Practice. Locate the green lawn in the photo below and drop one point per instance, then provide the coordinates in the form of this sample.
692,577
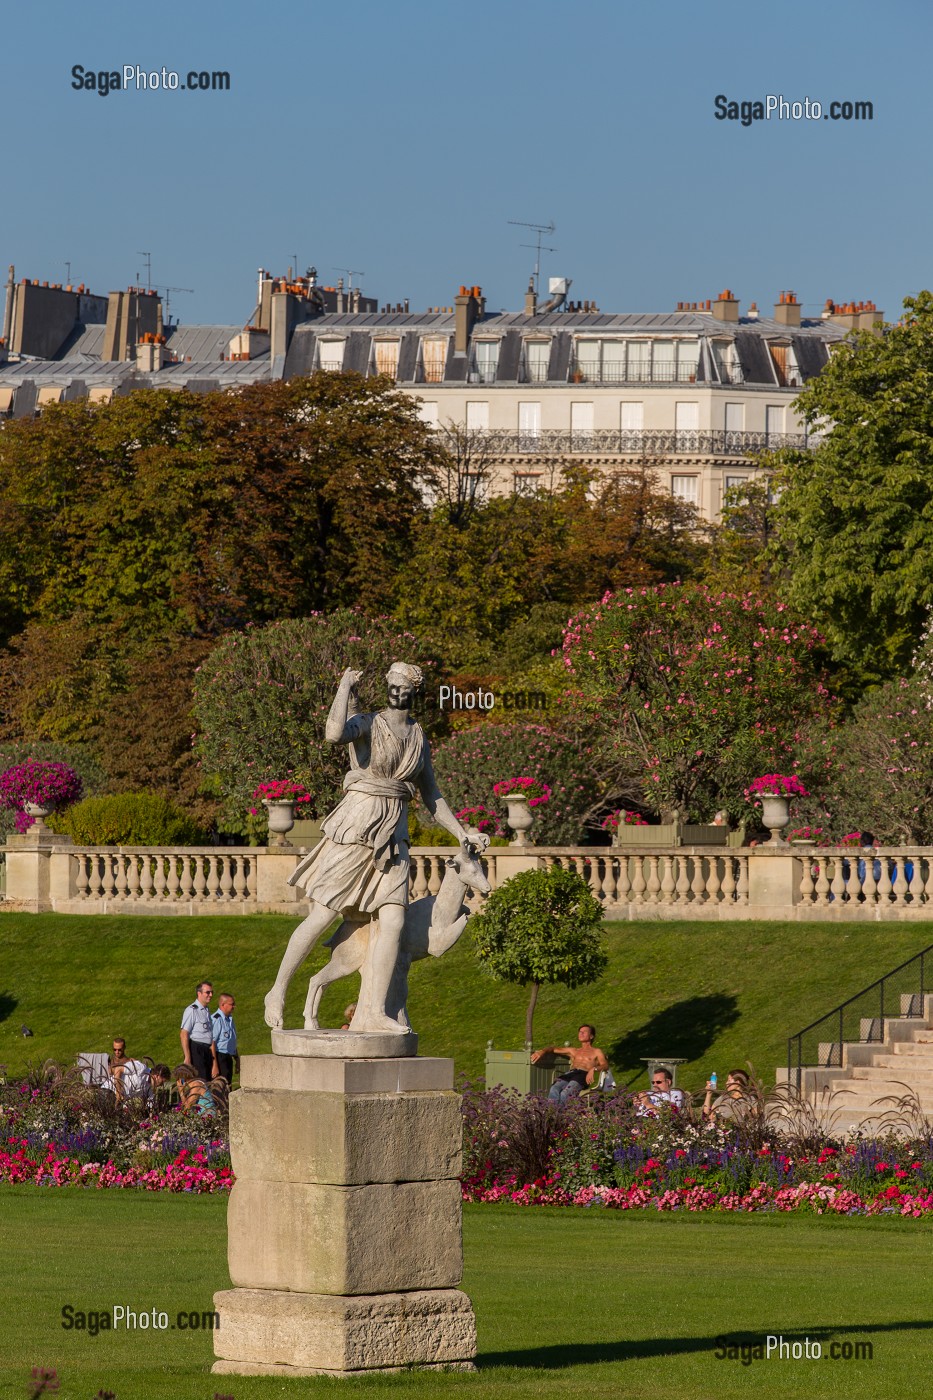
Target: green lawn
717,993
568,1303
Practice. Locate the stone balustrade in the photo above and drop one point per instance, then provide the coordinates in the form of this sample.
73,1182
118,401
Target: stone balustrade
46,873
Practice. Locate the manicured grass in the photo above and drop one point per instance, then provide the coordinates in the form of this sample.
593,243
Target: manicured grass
718,994
568,1303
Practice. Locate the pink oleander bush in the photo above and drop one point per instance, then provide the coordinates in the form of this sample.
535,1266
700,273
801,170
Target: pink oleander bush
469,766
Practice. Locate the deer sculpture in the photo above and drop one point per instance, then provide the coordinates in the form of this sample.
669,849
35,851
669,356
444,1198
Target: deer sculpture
432,925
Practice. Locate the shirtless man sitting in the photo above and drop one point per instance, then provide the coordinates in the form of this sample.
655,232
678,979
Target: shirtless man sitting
586,1064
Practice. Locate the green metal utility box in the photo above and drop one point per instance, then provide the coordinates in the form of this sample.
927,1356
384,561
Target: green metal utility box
512,1069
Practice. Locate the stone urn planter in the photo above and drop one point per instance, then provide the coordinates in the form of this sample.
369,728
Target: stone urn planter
775,814
519,817
38,811
281,821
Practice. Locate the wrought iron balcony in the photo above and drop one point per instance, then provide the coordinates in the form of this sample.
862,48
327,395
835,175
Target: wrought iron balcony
632,442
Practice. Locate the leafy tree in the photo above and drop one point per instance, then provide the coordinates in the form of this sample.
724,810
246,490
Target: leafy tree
694,693
474,574
79,757
179,512
471,761
540,927
262,695
874,772
855,516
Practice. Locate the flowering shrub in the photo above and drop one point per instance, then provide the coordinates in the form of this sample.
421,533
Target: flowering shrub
481,819
40,782
622,818
775,785
262,697
129,819
470,763
852,838
814,834
536,791
691,690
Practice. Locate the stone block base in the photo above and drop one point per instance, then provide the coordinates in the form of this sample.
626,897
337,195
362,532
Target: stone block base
270,1333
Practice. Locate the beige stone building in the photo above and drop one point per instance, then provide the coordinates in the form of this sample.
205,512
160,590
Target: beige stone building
696,394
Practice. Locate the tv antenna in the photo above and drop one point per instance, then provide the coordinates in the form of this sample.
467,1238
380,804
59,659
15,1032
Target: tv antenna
168,291
351,273
540,230
67,271
148,257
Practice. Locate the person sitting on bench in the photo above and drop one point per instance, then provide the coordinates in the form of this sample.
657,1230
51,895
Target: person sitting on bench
586,1064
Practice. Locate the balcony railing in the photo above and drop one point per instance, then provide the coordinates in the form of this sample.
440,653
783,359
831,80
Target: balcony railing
551,442
665,372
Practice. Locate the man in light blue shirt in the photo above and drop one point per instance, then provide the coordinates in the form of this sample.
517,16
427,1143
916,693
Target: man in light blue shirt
197,1034
224,1033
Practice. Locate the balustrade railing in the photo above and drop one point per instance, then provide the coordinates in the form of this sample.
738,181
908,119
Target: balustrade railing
155,876
659,877
883,877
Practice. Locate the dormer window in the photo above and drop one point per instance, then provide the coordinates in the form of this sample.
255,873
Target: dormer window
385,355
537,359
486,360
331,354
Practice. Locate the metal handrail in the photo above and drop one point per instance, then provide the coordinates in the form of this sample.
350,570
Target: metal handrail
916,998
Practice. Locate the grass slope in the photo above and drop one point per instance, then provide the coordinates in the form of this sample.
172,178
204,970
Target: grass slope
718,994
568,1303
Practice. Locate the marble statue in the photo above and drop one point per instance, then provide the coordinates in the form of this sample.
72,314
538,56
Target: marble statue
432,926
360,868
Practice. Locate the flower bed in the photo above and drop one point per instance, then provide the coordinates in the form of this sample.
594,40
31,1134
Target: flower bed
604,1152
22,1162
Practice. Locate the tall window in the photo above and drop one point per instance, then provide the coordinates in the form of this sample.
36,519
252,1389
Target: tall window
774,422
477,417
529,426
664,368
386,355
434,357
537,358
688,357
686,488
526,483
332,354
581,427
428,413
587,363
613,362
735,417
686,423
639,361
631,425
487,359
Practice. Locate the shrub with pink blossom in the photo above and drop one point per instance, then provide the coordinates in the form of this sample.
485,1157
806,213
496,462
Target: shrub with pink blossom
692,690
622,817
471,762
533,790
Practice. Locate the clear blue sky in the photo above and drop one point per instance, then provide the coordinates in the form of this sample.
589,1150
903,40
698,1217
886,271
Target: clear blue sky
399,138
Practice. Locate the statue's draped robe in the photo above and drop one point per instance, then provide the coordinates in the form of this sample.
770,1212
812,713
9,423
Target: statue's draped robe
362,861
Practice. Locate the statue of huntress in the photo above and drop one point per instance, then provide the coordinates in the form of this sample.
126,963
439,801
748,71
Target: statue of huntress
360,869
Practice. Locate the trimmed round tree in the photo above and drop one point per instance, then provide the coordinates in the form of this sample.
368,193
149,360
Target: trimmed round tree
540,927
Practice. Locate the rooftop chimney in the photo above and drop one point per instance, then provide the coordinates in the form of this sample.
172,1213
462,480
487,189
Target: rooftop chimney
466,311
726,307
787,310
531,299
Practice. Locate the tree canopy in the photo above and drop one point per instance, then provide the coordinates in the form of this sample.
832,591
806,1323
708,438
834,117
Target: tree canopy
854,517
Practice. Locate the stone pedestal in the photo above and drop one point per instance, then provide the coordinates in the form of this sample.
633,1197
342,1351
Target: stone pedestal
344,1237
